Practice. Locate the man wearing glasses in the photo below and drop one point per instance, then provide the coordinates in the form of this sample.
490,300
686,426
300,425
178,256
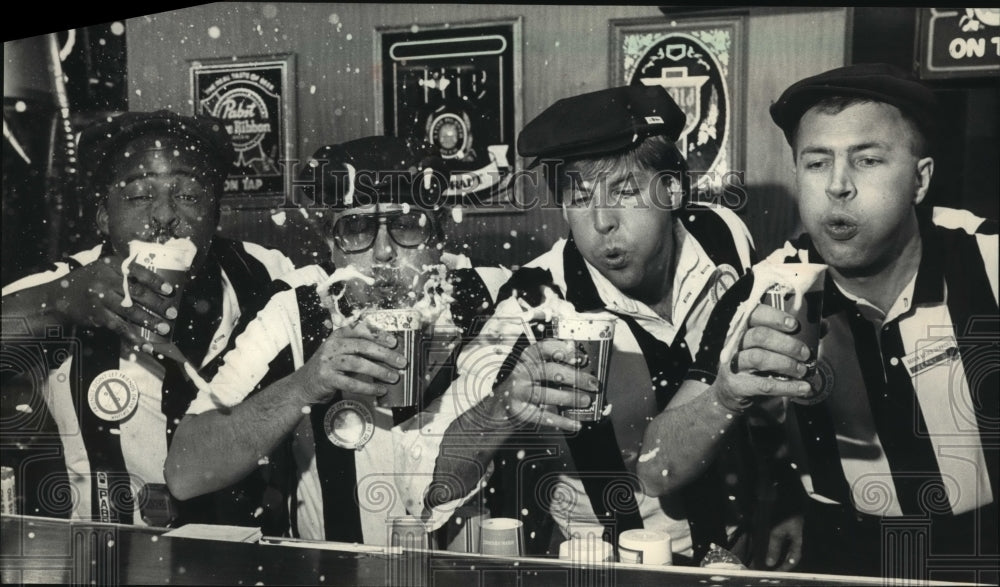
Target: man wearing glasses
306,373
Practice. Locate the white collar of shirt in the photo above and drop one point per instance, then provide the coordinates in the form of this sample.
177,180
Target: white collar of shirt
692,273
873,313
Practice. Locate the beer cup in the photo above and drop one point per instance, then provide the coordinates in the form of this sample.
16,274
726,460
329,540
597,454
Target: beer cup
406,326
593,334
171,261
797,288
408,533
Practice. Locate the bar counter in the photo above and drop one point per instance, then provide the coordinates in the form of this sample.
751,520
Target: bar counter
44,550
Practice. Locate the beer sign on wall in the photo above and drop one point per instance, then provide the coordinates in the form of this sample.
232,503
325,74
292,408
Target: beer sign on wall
700,64
251,97
457,88
959,42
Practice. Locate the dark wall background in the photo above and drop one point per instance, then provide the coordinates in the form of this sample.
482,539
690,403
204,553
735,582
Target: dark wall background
564,52
967,174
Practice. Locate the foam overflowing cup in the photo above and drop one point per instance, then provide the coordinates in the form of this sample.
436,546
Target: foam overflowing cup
796,288
171,260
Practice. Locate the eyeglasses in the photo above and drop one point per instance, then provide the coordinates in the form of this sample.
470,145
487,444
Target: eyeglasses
356,233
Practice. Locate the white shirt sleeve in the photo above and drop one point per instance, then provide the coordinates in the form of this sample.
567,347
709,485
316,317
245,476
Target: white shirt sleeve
83,258
275,261
245,365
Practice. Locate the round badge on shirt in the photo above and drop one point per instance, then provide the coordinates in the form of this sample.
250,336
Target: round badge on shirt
113,396
724,278
349,424
822,382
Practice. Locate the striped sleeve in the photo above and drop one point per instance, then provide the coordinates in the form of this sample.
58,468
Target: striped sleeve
274,329
58,270
715,337
742,238
956,218
275,261
988,247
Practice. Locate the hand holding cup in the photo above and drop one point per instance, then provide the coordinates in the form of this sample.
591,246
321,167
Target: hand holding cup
357,358
93,294
767,348
546,378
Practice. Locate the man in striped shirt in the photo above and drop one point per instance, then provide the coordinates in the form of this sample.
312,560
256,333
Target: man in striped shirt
893,433
636,249
307,373
115,399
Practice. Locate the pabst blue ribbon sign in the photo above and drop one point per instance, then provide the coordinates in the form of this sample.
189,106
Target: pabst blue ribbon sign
250,100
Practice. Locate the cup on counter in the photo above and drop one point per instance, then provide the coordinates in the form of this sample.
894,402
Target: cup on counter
406,326
171,261
797,288
8,491
463,529
587,550
408,533
593,334
501,537
645,547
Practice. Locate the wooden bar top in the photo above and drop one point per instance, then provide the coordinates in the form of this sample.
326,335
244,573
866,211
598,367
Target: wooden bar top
44,550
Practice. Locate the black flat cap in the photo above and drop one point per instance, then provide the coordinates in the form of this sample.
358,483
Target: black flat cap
100,141
600,123
395,170
876,81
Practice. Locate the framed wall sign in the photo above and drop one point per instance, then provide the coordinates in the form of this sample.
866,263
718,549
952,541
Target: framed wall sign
457,87
255,98
959,42
699,60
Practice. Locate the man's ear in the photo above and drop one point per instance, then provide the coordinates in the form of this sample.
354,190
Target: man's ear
925,170
102,219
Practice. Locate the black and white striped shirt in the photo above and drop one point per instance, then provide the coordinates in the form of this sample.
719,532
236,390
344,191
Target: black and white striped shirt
910,426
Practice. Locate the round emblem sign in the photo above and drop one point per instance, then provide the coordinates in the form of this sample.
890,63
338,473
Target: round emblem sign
349,424
690,72
450,133
113,396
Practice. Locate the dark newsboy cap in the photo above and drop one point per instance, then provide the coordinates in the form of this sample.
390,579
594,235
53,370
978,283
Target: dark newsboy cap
876,81
600,123
395,170
100,141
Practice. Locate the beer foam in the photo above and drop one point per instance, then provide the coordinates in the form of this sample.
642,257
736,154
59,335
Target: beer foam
394,319
329,300
175,254
599,326
437,296
552,306
429,303
796,278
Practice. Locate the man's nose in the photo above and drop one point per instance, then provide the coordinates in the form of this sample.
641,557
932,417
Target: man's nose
164,212
840,183
385,248
605,216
